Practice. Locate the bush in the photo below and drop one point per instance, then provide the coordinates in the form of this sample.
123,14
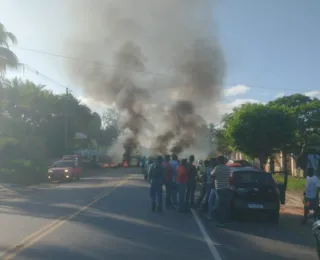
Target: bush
22,161
25,172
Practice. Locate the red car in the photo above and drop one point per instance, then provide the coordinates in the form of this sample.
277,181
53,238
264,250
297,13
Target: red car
64,170
74,157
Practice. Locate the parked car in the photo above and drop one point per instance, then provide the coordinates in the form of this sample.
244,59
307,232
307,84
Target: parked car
243,163
64,170
253,191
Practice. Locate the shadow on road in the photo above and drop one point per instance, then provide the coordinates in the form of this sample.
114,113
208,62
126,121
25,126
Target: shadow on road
254,237
124,220
122,226
62,199
52,252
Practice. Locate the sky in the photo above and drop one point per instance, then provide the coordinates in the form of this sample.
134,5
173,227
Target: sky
272,48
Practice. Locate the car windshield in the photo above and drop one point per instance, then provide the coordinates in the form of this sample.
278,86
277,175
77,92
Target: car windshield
63,164
68,157
252,176
242,162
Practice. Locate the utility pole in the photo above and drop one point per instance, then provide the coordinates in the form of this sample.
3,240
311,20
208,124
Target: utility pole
66,120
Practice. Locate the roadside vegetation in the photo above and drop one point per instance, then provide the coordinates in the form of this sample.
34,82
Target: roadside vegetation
296,184
33,125
32,129
290,124
33,120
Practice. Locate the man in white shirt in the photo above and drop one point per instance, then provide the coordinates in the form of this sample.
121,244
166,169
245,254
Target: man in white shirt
311,193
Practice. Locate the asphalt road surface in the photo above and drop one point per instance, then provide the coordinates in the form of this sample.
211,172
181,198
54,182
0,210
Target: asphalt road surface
108,217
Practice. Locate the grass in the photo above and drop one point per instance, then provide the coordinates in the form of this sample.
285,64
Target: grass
294,183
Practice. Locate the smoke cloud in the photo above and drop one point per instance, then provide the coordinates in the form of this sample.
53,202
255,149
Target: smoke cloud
158,62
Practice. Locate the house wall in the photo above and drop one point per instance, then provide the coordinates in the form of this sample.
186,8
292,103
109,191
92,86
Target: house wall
278,163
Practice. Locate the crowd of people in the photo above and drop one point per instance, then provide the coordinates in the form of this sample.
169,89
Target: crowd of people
180,177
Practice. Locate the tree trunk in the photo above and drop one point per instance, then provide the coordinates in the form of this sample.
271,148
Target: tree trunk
262,162
285,168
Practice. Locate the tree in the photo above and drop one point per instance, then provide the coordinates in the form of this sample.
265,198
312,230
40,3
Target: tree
94,126
110,118
32,128
222,142
110,127
306,112
224,146
37,111
256,129
7,57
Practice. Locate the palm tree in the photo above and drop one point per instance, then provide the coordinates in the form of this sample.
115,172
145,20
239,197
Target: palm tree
7,57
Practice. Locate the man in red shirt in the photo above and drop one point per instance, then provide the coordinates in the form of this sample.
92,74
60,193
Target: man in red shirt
182,181
168,180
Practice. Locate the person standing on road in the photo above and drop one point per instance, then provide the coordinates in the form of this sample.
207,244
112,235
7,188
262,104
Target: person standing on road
182,181
202,173
192,181
311,194
147,167
221,177
168,181
156,176
174,192
143,162
212,200
211,165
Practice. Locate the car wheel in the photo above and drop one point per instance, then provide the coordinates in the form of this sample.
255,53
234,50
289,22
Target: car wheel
274,216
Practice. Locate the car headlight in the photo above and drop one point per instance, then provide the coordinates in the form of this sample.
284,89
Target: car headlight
50,171
66,170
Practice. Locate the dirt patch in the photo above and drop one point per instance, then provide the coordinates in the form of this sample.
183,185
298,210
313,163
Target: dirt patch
296,211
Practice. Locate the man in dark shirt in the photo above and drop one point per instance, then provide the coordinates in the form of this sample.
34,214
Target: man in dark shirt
168,180
202,177
192,181
156,176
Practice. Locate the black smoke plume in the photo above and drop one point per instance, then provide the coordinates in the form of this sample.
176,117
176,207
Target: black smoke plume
158,62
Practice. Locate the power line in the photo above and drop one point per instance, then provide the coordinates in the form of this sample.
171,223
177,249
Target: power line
43,75
67,92
83,60
145,72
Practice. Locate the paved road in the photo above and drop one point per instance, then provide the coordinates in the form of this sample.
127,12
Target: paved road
109,217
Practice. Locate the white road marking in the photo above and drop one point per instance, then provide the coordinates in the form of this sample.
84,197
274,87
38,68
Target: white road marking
212,248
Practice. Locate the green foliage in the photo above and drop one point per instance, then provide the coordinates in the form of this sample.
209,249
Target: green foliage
306,113
294,183
32,128
256,129
224,145
7,57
